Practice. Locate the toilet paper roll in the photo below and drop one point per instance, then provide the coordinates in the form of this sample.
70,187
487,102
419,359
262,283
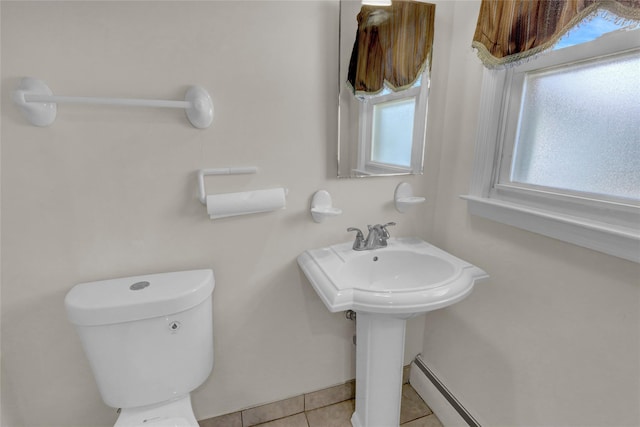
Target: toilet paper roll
248,202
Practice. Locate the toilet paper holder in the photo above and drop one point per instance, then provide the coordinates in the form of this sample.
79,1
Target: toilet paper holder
220,171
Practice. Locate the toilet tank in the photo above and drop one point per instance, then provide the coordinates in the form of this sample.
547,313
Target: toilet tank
148,338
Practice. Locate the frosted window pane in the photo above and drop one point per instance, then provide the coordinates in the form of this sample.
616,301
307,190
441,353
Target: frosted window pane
579,128
393,132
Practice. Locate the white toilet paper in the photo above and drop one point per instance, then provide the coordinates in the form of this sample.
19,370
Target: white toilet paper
248,202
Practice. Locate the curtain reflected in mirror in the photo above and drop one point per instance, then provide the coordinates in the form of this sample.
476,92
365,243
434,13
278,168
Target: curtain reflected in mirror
385,63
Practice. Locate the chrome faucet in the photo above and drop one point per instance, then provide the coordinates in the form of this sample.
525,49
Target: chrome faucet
377,237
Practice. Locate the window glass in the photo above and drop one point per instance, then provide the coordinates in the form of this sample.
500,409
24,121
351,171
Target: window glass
579,128
393,132
592,28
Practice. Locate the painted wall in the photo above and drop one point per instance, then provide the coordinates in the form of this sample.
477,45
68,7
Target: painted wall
110,192
554,337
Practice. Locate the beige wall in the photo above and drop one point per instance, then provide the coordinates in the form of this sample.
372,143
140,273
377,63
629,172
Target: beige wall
107,192
554,337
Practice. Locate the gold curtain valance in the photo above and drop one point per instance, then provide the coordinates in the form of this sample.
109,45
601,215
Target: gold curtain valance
509,31
393,44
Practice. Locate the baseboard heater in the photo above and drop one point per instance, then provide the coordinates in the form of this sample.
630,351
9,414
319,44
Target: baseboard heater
442,389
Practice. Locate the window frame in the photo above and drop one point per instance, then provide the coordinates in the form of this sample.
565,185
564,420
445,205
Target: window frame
588,220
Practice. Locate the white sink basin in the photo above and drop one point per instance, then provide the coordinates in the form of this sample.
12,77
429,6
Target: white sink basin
407,277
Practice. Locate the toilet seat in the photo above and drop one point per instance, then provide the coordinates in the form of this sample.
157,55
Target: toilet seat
175,413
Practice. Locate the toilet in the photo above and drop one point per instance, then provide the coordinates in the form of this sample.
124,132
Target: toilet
149,341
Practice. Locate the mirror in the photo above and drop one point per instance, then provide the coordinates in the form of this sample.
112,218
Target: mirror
385,64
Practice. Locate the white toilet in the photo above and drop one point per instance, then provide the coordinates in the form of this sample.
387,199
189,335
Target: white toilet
149,340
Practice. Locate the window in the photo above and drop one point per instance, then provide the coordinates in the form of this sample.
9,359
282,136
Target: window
577,136
392,133
390,123
558,148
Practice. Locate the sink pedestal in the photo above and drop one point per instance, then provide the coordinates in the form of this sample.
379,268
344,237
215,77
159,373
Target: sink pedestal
379,363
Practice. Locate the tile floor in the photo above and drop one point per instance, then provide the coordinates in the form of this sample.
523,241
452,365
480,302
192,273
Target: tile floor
326,408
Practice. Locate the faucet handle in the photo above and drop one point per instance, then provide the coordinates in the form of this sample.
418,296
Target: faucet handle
380,226
385,232
359,244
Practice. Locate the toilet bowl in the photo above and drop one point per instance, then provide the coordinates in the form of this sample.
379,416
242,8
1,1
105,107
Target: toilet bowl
149,341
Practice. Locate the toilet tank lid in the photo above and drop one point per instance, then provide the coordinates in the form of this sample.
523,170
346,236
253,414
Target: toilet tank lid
135,298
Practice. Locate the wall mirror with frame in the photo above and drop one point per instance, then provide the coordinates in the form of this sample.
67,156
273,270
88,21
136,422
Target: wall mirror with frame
385,63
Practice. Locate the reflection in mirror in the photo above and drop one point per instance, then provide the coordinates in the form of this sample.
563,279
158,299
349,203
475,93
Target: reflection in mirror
385,61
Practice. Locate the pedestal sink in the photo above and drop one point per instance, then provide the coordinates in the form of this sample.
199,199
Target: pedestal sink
385,287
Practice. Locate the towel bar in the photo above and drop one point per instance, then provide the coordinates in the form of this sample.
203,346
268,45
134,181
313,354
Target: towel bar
39,105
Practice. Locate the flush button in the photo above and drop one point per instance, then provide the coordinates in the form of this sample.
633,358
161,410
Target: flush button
139,285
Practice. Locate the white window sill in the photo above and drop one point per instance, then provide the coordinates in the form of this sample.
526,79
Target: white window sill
617,241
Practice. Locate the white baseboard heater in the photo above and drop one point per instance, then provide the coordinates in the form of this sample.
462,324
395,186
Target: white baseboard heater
444,404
